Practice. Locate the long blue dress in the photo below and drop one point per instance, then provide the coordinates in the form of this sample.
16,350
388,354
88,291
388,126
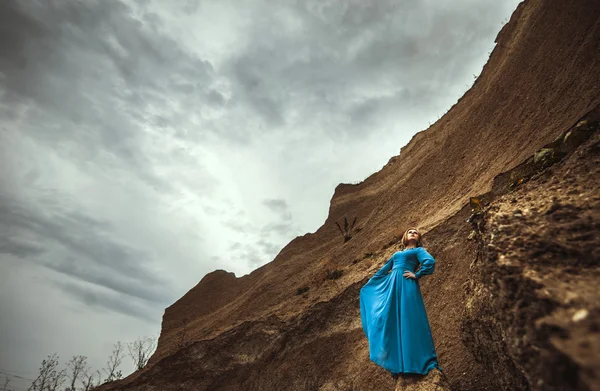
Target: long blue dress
394,317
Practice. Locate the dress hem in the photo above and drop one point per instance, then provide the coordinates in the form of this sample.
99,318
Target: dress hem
416,372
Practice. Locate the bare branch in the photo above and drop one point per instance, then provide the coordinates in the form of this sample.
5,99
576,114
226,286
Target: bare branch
77,368
49,378
88,380
353,222
113,363
140,351
57,379
340,228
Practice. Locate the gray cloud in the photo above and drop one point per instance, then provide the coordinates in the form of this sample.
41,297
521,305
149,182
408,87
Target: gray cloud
255,253
353,62
279,207
338,68
235,246
262,242
240,226
78,246
341,68
94,41
250,254
268,248
283,228
276,205
92,74
91,297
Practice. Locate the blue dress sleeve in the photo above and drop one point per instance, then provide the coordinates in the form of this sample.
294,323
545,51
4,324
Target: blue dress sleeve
386,268
427,263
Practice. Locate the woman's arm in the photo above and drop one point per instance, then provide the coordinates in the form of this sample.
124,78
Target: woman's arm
427,263
386,268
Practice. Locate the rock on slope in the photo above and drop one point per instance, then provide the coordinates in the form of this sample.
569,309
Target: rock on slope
533,307
259,332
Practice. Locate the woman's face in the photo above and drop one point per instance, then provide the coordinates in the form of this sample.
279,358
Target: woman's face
412,234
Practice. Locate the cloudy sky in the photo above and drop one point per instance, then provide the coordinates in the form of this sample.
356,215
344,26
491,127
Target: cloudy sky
146,143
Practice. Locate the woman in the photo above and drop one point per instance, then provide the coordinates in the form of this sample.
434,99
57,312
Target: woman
393,313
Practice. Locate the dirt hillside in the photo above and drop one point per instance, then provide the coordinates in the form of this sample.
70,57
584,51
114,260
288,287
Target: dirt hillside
294,323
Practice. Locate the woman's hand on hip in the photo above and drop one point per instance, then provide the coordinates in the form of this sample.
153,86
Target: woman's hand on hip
408,274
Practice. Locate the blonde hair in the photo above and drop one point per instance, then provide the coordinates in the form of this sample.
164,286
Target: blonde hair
405,238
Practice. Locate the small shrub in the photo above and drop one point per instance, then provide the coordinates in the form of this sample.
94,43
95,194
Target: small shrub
347,231
334,274
302,290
